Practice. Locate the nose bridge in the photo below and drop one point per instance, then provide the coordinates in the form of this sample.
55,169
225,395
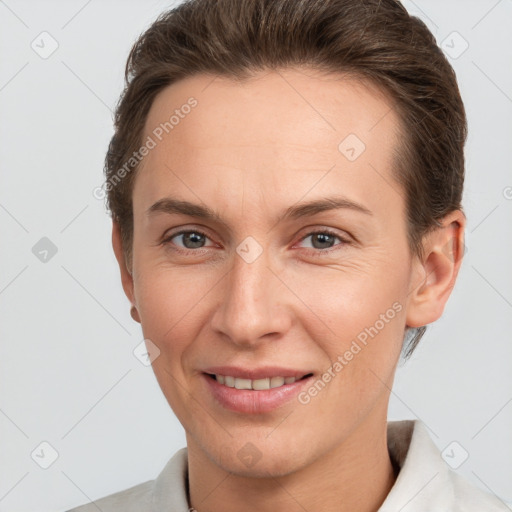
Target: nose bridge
252,305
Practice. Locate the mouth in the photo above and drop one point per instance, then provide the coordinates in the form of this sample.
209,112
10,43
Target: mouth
253,391
255,384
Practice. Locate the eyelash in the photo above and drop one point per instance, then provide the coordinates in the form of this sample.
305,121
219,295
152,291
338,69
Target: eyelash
317,252
324,252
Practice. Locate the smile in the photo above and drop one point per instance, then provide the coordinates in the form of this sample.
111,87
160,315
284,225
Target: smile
254,395
253,384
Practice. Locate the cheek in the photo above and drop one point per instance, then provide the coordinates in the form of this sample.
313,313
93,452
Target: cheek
169,304
357,318
165,291
345,299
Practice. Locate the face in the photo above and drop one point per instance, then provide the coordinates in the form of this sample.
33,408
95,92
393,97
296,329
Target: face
270,249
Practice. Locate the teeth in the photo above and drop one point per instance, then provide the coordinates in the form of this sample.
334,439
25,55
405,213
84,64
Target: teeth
260,384
256,384
243,384
275,382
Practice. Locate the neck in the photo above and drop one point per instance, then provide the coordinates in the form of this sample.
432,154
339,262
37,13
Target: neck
355,475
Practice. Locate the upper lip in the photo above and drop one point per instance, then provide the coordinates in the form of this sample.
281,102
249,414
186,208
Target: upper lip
256,373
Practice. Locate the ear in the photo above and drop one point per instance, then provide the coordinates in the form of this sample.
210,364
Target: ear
434,275
126,274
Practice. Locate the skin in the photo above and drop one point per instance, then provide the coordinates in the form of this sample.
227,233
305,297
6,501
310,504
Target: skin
249,151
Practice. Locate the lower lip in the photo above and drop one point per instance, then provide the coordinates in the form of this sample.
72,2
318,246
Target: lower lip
254,402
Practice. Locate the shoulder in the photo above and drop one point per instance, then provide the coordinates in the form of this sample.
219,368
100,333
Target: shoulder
425,481
135,499
167,492
469,498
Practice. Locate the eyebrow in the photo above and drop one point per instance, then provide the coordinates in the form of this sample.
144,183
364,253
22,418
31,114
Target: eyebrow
171,206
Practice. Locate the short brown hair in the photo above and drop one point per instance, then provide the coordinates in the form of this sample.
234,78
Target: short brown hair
375,40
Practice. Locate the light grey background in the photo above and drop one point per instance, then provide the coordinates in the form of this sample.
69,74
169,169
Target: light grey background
68,374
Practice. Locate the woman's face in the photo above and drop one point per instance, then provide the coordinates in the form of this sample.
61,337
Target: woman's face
270,241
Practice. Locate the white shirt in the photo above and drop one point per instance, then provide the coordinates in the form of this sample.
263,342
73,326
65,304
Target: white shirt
425,482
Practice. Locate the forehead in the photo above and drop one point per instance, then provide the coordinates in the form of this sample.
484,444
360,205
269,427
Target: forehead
276,129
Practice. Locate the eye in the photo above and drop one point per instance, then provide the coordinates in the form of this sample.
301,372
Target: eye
323,239
188,240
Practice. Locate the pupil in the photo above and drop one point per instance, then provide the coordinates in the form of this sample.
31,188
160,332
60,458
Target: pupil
323,238
193,240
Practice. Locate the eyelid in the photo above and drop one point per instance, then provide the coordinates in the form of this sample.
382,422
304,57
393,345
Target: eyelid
166,238
195,228
344,239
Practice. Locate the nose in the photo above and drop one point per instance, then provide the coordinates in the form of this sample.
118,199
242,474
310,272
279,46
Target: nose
252,306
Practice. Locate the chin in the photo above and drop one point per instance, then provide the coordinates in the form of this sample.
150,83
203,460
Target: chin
269,466
249,461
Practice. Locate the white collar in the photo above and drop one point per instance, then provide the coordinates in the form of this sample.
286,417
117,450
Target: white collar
424,483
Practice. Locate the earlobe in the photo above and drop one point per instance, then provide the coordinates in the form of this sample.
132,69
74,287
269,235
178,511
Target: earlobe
437,270
135,314
126,275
